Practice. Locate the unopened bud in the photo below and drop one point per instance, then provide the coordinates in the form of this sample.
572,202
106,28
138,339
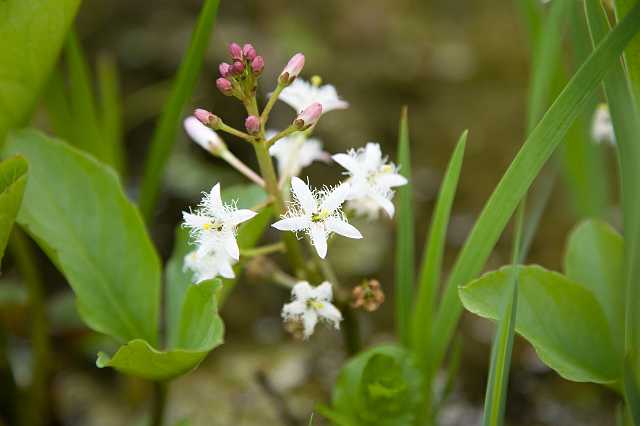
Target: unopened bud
293,69
203,135
224,86
368,296
235,51
257,65
203,115
249,52
225,70
309,116
252,124
238,67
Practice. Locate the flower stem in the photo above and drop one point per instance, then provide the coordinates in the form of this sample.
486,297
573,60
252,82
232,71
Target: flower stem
22,251
233,161
261,251
235,132
159,403
269,106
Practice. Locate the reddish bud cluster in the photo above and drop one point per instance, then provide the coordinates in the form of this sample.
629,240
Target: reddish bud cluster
246,65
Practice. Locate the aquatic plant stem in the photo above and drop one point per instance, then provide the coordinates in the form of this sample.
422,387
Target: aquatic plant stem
159,403
37,412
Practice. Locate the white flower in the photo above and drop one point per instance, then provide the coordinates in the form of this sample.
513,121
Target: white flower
208,264
295,152
202,135
214,224
310,304
371,178
602,127
300,94
318,214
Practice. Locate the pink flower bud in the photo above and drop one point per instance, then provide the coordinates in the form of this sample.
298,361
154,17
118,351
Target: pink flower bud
238,67
224,86
225,70
203,115
257,65
252,124
309,116
249,52
293,68
235,51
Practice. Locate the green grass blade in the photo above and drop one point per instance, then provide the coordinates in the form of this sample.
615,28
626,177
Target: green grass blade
110,109
87,134
531,14
171,118
626,123
514,184
632,52
405,249
433,253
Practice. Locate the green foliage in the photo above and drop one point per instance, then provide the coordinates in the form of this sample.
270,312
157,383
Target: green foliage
194,330
75,208
13,179
81,117
405,264
562,320
536,150
574,322
27,56
169,122
380,386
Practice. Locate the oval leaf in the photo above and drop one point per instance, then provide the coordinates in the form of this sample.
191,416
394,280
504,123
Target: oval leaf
31,35
13,178
75,208
198,331
594,258
560,318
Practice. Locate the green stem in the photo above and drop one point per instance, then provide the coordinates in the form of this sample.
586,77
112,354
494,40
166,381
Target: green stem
22,251
235,132
270,103
261,251
286,132
159,403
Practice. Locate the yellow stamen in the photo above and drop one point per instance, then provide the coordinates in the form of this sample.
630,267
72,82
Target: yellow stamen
316,80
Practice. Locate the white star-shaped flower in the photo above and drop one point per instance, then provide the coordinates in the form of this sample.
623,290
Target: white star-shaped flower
208,264
300,94
602,126
296,152
318,214
371,178
214,224
311,304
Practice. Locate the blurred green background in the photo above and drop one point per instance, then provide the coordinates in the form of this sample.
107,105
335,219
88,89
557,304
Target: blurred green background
456,64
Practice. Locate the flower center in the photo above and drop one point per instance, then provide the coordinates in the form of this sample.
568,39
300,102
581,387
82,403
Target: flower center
316,81
319,217
314,304
213,226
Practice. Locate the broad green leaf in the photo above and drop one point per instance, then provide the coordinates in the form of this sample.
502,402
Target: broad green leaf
13,179
536,150
433,253
380,386
75,208
171,118
405,264
198,331
31,35
560,318
594,258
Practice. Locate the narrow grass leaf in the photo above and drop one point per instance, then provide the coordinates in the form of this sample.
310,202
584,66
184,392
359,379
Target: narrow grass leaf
171,118
538,147
110,111
405,237
433,253
632,52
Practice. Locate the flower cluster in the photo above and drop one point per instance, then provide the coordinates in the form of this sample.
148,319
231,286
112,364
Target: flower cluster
315,214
